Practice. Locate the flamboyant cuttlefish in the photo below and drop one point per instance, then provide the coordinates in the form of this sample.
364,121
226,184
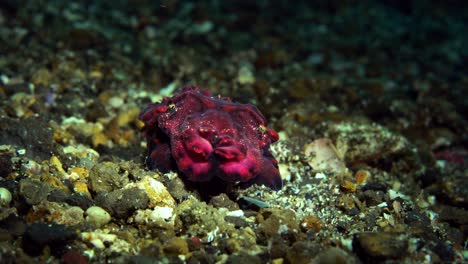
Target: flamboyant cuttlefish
205,136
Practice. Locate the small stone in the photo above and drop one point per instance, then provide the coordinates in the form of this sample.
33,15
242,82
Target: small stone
79,126
54,182
373,198
200,220
348,186
76,173
345,202
245,75
57,165
97,216
365,141
238,222
122,203
81,188
5,197
72,216
106,177
223,201
162,217
20,105
59,213
176,246
33,191
80,200
32,168
273,221
126,117
361,176
81,152
165,213
58,196
116,102
324,156
99,138
97,239
176,187
311,223
156,191
380,245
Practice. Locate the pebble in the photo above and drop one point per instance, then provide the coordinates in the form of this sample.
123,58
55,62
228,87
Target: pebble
77,173
176,246
116,102
386,245
324,156
156,191
311,223
348,186
245,76
365,141
97,216
5,196
165,213
362,176
238,222
122,203
81,151
81,188
59,213
57,165
223,201
97,239
162,217
274,221
33,191
106,176
62,213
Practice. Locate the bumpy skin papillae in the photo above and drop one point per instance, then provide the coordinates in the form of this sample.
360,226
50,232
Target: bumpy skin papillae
204,137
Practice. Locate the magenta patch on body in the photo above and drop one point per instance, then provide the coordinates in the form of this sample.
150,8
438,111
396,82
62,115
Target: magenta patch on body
204,136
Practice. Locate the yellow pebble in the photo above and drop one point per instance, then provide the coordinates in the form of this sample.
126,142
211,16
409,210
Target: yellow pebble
82,188
55,162
362,176
82,173
348,186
